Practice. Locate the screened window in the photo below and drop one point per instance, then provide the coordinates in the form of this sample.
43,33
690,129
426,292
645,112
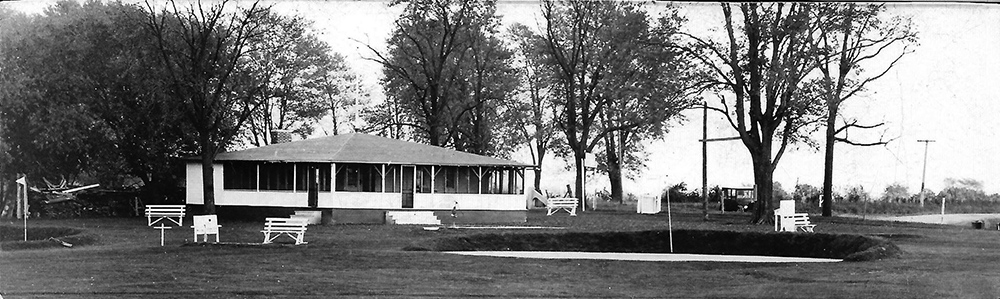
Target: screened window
359,177
277,176
500,181
456,179
239,176
392,179
306,172
424,179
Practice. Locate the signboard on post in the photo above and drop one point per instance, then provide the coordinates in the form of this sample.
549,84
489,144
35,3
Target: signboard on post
590,161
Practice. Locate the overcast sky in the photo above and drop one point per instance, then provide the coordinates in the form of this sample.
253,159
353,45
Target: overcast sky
946,91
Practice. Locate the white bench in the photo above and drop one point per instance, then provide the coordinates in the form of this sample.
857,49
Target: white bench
792,222
294,228
562,203
174,213
206,225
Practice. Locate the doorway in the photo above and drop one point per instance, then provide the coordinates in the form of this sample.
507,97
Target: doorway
313,184
407,186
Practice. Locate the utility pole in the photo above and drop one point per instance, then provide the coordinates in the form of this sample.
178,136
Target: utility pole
924,177
704,161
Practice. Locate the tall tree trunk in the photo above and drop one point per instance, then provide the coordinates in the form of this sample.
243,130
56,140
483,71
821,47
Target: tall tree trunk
538,167
614,166
578,155
828,160
333,115
764,181
208,174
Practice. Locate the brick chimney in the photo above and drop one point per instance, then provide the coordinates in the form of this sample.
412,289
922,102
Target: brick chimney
281,136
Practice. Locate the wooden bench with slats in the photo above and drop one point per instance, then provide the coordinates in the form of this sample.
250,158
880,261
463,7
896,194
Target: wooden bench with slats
567,204
294,228
157,213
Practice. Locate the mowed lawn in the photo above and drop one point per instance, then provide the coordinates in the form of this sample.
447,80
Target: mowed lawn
367,261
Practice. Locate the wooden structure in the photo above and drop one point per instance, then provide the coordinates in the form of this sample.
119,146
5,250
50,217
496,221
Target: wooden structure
359,178
205,225
786,220
294,228
170,213
567,204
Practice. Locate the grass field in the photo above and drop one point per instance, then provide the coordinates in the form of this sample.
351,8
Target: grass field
368,261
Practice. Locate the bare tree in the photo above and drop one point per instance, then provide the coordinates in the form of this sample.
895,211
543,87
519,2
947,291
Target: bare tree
768,53
854,35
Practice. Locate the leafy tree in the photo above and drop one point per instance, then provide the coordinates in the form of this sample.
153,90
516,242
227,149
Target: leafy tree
853,35
857,194
532,108
300,79
644,91
617,81
446,70
88,101
961,190
760,70
896,192
806,193
780,193
345,96
202,50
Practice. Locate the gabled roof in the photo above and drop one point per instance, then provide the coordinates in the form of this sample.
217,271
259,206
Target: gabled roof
362,148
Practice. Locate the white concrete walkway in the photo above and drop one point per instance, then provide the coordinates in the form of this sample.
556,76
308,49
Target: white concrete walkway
647,257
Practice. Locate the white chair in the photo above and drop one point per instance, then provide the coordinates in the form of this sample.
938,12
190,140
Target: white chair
206,225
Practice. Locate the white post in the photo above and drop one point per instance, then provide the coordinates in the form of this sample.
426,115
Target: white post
383,178
670,223
433,174
479,174
294,180
257,165
333,178
24,203
942,209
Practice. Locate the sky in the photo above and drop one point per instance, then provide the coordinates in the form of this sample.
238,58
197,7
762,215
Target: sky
945,91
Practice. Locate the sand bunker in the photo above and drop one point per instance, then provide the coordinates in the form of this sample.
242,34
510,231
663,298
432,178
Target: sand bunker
646,257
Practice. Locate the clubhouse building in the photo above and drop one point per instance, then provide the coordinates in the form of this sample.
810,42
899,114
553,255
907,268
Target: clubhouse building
360,178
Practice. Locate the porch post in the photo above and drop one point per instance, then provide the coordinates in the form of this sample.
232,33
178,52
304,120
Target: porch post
333,177
383,178
294,178
433,174
257,165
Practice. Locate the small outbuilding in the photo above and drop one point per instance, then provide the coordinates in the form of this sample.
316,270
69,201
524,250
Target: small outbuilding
360,178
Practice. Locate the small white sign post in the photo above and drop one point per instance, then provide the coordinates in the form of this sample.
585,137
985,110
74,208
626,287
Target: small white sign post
22,203
589,161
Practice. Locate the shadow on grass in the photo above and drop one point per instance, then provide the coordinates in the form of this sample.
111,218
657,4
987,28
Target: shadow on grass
819,245
12,238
